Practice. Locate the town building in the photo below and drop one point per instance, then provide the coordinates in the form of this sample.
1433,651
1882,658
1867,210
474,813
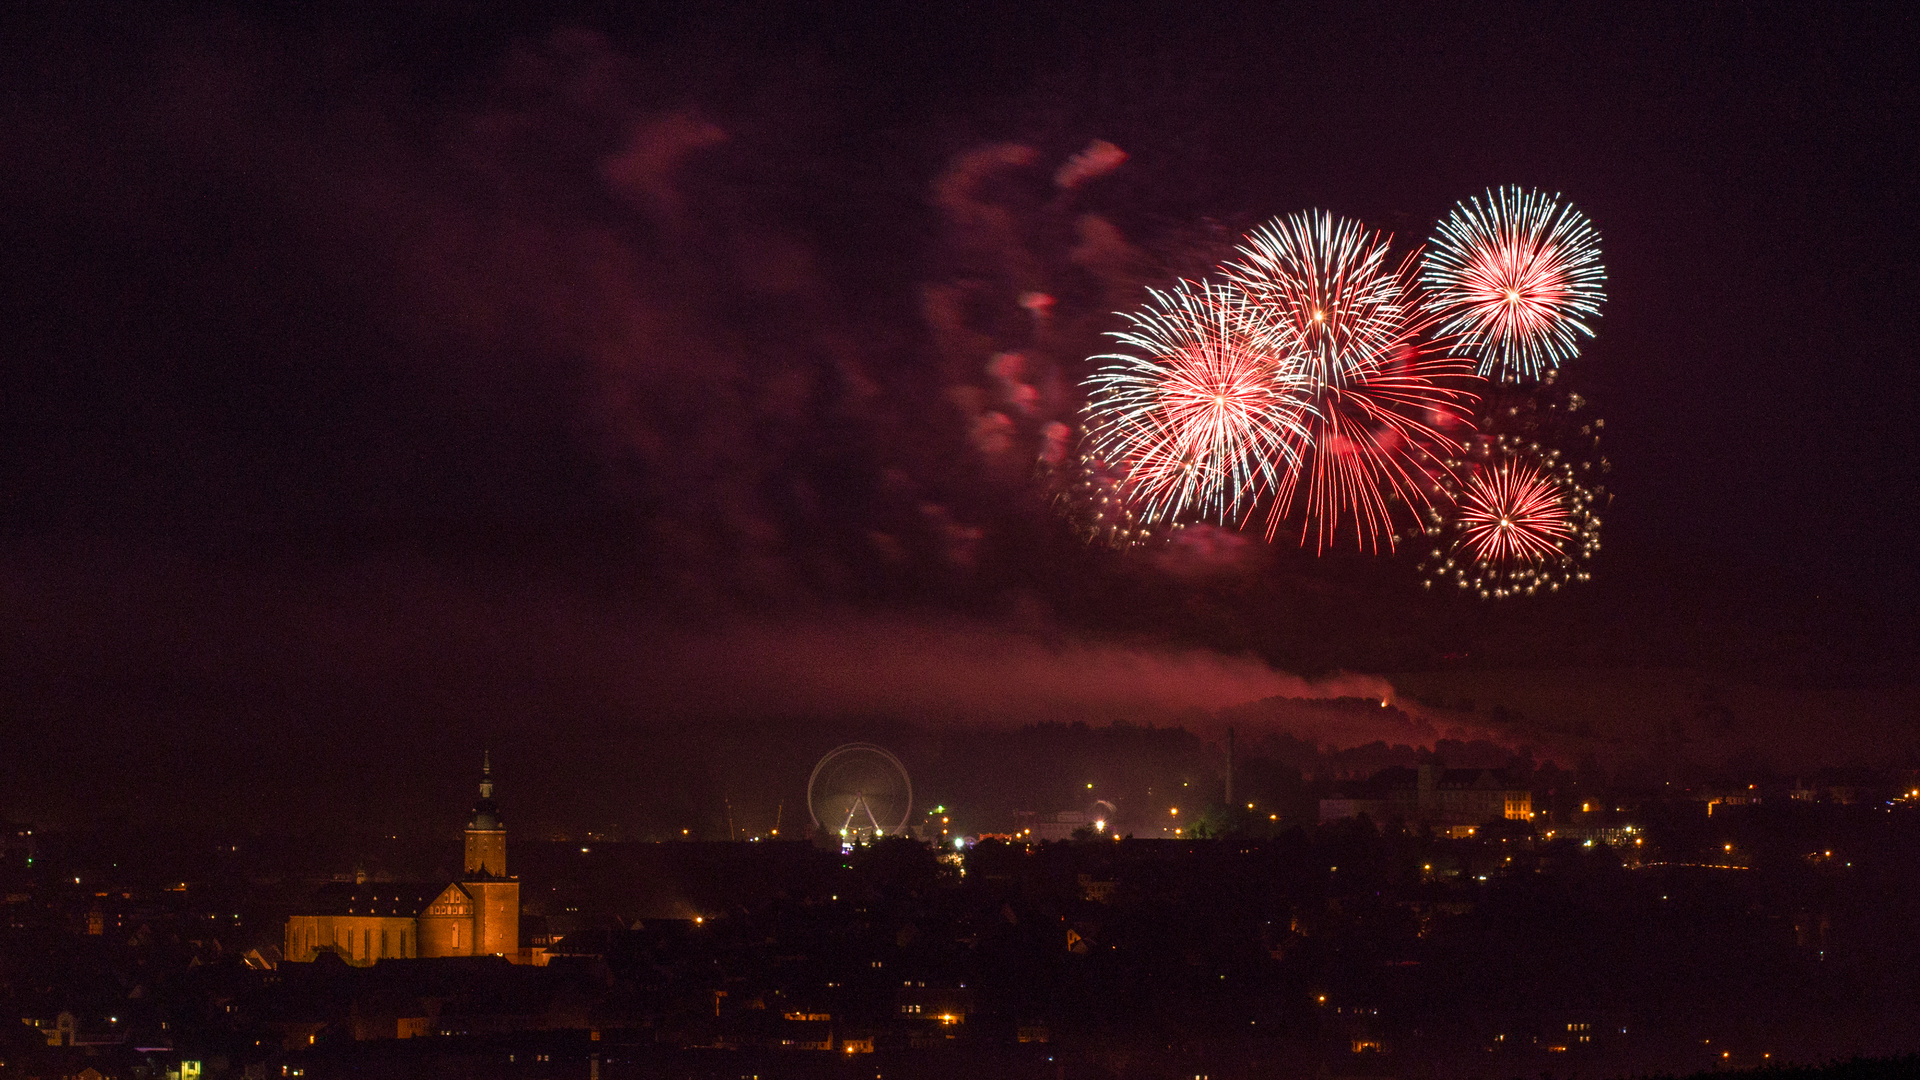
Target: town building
478,915
1064,824
1457,800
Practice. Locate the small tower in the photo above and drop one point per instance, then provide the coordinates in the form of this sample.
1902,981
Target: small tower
486,833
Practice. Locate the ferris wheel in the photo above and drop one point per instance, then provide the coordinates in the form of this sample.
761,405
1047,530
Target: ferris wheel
859,792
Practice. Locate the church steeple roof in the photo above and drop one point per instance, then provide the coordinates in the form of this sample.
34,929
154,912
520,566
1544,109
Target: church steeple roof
486,816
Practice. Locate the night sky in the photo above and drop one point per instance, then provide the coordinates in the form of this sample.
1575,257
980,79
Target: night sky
605,384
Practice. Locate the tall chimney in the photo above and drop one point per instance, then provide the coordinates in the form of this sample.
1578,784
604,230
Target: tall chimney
1230,803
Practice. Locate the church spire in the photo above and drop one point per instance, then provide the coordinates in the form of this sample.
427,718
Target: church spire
486,814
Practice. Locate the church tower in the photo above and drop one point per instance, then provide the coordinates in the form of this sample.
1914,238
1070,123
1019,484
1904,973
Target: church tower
495,897
486,833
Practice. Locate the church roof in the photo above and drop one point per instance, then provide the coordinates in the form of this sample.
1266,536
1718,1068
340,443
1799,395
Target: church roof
403,899
1475,779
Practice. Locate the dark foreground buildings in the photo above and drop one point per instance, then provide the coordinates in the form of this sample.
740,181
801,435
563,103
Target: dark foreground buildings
1610,941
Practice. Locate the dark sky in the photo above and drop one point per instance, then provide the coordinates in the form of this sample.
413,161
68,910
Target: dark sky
377,384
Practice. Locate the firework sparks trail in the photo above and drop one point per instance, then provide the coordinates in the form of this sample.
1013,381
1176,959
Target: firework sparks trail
1521,522
1326,283
1203,410
1382,393
1511,514
1091,494
1516,279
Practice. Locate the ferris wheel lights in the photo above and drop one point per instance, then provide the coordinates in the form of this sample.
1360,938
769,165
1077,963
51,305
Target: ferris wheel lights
863,788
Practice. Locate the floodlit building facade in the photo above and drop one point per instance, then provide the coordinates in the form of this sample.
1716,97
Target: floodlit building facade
1453,799
479,915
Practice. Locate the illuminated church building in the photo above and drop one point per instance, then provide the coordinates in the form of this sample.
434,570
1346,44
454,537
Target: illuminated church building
479,915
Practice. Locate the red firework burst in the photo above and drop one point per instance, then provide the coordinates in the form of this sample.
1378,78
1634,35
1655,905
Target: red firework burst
1512,513
1215,398
1517,279
1202,410
1381,398
1517,285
